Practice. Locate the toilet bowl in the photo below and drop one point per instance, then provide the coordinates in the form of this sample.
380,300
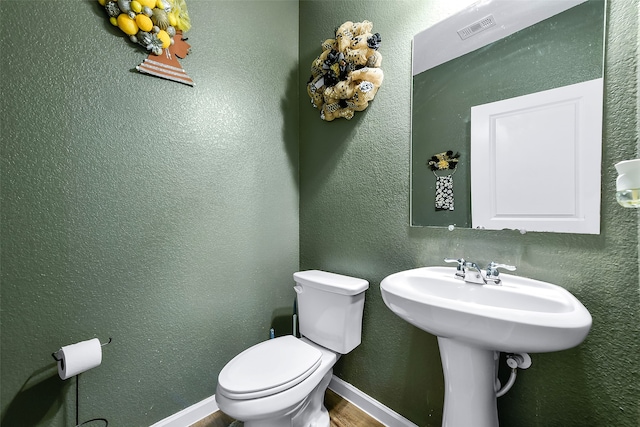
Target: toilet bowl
281,382
288,402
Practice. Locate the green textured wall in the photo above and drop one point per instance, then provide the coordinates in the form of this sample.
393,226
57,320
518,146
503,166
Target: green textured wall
354,216
136,208
167,216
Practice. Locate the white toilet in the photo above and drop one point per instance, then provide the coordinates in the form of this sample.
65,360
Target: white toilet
282,382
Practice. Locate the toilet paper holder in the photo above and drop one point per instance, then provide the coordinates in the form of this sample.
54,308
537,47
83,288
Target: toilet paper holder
56,354
58,357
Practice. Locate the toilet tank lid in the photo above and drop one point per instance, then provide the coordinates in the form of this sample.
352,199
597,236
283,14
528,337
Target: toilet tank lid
331,282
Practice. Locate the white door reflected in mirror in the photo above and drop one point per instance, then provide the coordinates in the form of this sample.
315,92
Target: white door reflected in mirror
553,136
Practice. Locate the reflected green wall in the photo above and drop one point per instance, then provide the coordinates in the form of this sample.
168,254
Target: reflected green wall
354,216
562,50
163,216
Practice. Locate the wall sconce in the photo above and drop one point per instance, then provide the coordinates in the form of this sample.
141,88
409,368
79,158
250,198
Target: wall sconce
628,183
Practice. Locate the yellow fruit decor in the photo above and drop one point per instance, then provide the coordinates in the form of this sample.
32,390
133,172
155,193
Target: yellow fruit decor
158,26
144,22
149,23
347,75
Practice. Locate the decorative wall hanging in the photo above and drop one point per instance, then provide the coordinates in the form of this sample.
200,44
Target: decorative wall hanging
157,25
346,76
446,161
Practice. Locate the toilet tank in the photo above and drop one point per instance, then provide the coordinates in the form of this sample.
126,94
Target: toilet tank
330,308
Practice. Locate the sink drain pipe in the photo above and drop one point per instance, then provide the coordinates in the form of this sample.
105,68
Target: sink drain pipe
514,361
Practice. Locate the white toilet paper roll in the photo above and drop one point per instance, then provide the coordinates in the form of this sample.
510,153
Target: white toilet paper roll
77,358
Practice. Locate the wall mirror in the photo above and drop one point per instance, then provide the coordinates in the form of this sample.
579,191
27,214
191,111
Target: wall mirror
520,167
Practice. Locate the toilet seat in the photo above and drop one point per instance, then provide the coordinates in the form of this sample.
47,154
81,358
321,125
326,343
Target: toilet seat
268,368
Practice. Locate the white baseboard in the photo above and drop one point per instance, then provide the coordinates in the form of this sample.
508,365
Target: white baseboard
377,410
190,415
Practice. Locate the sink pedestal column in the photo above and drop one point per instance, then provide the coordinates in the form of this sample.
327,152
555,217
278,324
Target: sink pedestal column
469,380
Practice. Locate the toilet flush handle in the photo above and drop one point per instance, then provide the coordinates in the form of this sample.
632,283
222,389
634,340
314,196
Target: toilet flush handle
298,289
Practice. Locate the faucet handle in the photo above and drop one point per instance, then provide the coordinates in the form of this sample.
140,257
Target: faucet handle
460,268
492,269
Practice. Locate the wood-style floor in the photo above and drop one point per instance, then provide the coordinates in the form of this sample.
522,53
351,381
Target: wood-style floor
342,412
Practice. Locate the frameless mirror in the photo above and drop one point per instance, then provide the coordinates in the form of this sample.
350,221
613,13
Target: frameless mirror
529,169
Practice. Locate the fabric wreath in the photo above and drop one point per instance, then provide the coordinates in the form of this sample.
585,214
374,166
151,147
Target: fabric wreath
443,161
347,75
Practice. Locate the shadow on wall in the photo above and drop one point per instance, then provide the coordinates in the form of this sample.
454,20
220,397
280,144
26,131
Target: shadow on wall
282,321
289,106
321,143
39,399
320,154
564,396
423,379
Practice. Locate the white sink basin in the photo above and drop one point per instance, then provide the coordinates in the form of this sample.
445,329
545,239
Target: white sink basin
519,315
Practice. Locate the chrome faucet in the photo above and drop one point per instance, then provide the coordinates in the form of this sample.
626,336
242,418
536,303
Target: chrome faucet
471,273
493,275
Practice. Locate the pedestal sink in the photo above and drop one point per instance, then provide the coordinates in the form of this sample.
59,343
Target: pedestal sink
474,322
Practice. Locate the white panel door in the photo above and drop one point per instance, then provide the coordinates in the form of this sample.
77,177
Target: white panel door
535,161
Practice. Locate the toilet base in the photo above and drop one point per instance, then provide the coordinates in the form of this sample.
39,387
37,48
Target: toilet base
310,413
